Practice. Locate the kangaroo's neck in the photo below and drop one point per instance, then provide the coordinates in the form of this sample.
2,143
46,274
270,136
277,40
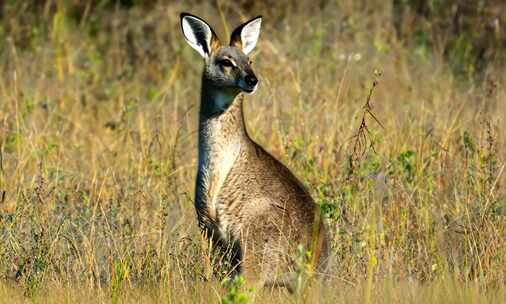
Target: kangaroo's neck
222,136
221,119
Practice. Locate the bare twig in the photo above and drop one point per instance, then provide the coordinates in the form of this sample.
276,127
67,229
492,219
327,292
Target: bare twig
363,137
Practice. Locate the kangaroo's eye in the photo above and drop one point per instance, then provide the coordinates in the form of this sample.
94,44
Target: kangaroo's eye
226,63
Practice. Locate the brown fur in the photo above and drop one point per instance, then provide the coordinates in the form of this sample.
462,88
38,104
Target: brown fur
248,203
263,208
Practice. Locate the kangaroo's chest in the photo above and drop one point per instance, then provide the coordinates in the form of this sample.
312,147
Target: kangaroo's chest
217,155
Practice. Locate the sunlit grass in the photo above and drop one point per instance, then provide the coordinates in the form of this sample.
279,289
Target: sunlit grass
98,155
444,291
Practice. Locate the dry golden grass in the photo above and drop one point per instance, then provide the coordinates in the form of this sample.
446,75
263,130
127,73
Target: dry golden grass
98,155
447,291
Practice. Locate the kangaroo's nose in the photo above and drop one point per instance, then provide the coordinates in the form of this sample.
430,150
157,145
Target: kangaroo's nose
251,80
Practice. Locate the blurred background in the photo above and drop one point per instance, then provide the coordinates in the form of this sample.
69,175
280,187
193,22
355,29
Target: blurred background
468,34
98,120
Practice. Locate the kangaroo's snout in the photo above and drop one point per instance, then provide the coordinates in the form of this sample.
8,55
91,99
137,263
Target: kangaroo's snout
249,83
251,80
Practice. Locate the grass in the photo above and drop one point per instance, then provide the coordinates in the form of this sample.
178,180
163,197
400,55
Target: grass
98,120
447,291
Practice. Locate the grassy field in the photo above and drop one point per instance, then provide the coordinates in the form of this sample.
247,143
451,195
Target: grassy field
98,120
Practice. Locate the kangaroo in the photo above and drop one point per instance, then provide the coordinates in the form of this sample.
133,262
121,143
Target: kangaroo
246,200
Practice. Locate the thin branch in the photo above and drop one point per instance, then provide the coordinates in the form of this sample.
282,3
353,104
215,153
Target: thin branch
364,137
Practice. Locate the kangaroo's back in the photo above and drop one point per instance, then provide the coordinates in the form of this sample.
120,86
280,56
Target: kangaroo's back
246,200
272,202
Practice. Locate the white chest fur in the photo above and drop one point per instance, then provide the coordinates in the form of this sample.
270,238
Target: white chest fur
217,155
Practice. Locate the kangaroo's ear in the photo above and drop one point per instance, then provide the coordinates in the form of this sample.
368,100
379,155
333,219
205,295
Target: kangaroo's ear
199,34
245,36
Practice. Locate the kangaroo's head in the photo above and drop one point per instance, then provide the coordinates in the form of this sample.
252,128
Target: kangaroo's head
227,68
